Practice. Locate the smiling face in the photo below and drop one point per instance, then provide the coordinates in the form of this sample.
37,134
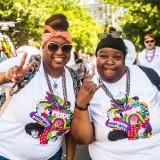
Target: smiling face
110,64
55,60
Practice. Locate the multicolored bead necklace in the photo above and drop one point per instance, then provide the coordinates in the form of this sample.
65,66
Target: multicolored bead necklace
108,93
55,101
153,55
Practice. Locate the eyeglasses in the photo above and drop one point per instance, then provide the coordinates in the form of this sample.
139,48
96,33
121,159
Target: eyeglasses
150,41
53,47
114,34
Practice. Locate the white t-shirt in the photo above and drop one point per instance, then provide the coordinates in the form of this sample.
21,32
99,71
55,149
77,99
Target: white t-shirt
155,63
31,126
139,120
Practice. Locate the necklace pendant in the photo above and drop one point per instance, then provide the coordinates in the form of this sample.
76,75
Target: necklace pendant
55,85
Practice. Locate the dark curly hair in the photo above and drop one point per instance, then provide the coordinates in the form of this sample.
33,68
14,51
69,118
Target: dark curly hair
57,22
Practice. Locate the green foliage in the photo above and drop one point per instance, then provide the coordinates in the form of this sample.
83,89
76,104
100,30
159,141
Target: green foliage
140,17
32,14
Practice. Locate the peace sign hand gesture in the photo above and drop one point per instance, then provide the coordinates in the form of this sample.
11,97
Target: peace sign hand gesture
87,91
15,74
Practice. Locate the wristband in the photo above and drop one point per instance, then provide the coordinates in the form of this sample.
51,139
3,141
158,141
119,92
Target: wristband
80,108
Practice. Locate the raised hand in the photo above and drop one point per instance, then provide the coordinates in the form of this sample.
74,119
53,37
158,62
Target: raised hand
137,60
87,91
15,74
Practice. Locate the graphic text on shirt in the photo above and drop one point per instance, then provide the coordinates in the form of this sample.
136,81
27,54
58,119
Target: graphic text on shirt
51,122
133,121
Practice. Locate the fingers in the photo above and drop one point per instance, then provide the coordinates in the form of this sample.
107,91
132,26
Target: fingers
87,92
28,67
12,72
98,86
86,75
12,76
16,73
22,62
94,88
91,87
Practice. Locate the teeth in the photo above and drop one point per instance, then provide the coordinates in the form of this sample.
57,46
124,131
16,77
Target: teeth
58,59
109,69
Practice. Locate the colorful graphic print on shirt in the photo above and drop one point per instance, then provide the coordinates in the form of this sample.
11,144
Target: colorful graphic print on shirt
134,120
50,122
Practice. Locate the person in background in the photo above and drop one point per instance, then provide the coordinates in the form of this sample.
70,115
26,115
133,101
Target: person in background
117,113
150,56
77,64
44,107
28,49
89,65
80,69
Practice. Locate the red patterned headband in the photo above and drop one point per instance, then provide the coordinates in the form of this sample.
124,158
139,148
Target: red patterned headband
53,33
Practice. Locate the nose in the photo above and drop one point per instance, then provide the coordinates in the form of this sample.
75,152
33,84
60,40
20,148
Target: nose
110,61
59,50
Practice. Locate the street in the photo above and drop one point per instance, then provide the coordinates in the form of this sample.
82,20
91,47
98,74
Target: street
81,153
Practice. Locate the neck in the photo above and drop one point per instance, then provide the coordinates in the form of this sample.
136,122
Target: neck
54,72
151,50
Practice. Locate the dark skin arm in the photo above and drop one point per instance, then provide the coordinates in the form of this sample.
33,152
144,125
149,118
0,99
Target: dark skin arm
70,146
16,73
81,128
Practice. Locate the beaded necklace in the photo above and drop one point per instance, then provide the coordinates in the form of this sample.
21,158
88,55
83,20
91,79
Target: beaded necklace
153,55
108,93
55,85
55,101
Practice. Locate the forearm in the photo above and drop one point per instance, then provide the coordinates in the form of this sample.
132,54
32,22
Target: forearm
70,147
82,128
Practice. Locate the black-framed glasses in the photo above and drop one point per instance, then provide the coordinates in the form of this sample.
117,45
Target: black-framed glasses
53,47
147,41
114,34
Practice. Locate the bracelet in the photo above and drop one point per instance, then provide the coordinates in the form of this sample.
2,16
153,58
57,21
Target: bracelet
80,108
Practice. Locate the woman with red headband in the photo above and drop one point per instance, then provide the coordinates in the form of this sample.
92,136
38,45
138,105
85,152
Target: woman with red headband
39,113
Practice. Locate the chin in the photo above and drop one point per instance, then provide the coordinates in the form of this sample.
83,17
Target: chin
109,79
58,65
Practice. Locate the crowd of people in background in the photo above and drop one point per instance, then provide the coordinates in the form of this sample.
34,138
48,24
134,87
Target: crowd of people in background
81,62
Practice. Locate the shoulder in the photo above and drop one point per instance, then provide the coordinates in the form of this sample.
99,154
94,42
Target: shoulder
137,71
71,70
133,67
157,48
140,69
72,73
148,73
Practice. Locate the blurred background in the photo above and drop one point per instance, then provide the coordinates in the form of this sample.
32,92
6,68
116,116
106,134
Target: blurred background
87,18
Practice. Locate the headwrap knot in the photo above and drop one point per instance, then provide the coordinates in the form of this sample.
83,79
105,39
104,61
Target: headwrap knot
53,33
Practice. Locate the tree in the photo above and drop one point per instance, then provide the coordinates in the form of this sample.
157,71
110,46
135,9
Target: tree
32,14
140,17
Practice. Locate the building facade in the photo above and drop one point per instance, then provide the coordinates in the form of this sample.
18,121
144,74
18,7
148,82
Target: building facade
103,14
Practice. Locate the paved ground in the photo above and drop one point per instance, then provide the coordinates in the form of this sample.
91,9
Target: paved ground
81,153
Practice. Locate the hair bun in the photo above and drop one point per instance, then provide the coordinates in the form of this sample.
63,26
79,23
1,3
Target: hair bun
58,22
